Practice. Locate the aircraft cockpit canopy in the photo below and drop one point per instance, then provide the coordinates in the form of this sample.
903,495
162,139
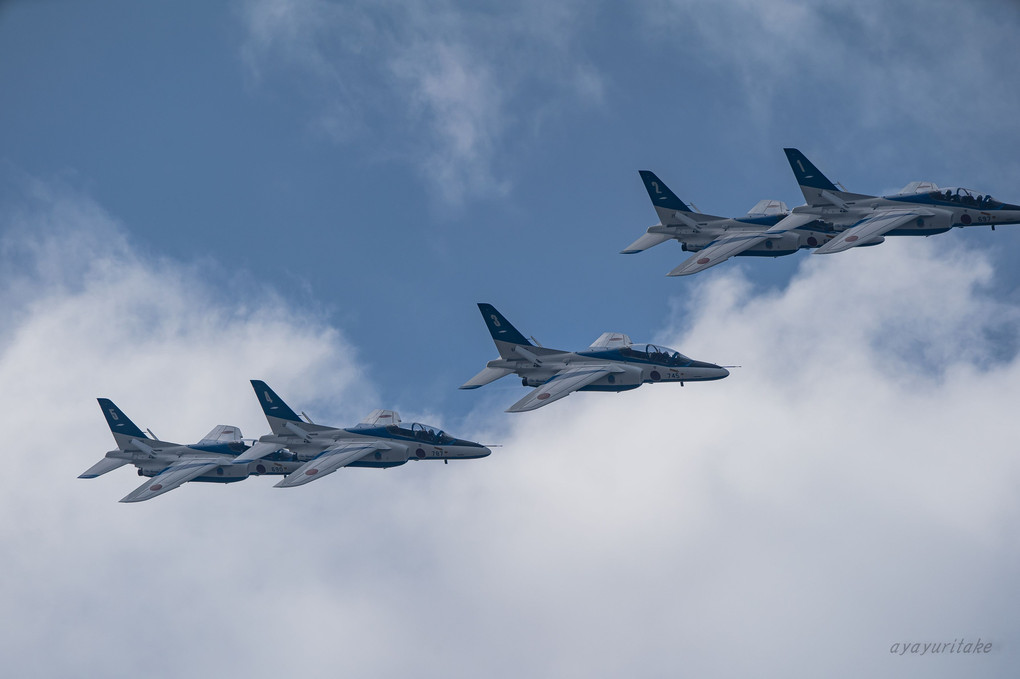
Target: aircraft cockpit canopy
655,354
421,432
965,197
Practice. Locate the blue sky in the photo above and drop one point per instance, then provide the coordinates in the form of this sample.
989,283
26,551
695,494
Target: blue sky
317,194
443,157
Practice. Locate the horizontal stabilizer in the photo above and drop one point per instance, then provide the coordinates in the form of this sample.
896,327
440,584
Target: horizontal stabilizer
485,377
107,464
646,241
257,452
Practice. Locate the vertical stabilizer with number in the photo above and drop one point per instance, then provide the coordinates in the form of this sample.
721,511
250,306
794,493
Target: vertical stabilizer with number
816,187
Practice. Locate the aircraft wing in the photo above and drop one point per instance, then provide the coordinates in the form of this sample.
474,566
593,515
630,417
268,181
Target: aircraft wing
722,249
329,460
179,472
561,384
719,251
868,230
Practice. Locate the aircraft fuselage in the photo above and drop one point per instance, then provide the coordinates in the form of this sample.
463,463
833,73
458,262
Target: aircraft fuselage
637,369
404,445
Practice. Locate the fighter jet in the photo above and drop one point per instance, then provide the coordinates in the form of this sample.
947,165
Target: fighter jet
767,230
380,440
214,459
919,209
612,363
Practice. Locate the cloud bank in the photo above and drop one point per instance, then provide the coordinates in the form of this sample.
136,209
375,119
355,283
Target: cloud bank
852,486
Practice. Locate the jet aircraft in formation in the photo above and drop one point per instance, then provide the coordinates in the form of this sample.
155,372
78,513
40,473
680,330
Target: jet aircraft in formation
612,363
299,451
831,220
381,440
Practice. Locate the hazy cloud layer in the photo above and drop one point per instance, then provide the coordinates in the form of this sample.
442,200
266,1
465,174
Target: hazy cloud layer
850,487
456,79
863,67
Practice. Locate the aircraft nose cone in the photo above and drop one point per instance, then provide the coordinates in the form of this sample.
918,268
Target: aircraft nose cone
723,372
486,452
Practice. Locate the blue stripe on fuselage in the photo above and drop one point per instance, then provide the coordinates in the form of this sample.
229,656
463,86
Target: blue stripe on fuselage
767,220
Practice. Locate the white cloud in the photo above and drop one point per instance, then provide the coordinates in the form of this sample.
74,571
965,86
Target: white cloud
852,486
451,77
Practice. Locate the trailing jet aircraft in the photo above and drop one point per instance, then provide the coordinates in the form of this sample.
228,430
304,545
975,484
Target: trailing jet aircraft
216,458
612,363
380,440
768,230
919,209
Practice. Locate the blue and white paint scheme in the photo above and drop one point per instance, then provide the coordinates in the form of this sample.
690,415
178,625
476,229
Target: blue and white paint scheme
612,363
919,209
381,440
768,230
217,458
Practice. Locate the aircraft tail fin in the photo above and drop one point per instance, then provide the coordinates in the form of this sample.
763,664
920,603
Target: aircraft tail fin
277,412
282,420
815,186
122,427
661,195
671,210
503,332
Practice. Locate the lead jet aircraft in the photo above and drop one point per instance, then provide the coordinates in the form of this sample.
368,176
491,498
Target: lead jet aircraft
612,363
380,440
767,230
216,458
919,209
